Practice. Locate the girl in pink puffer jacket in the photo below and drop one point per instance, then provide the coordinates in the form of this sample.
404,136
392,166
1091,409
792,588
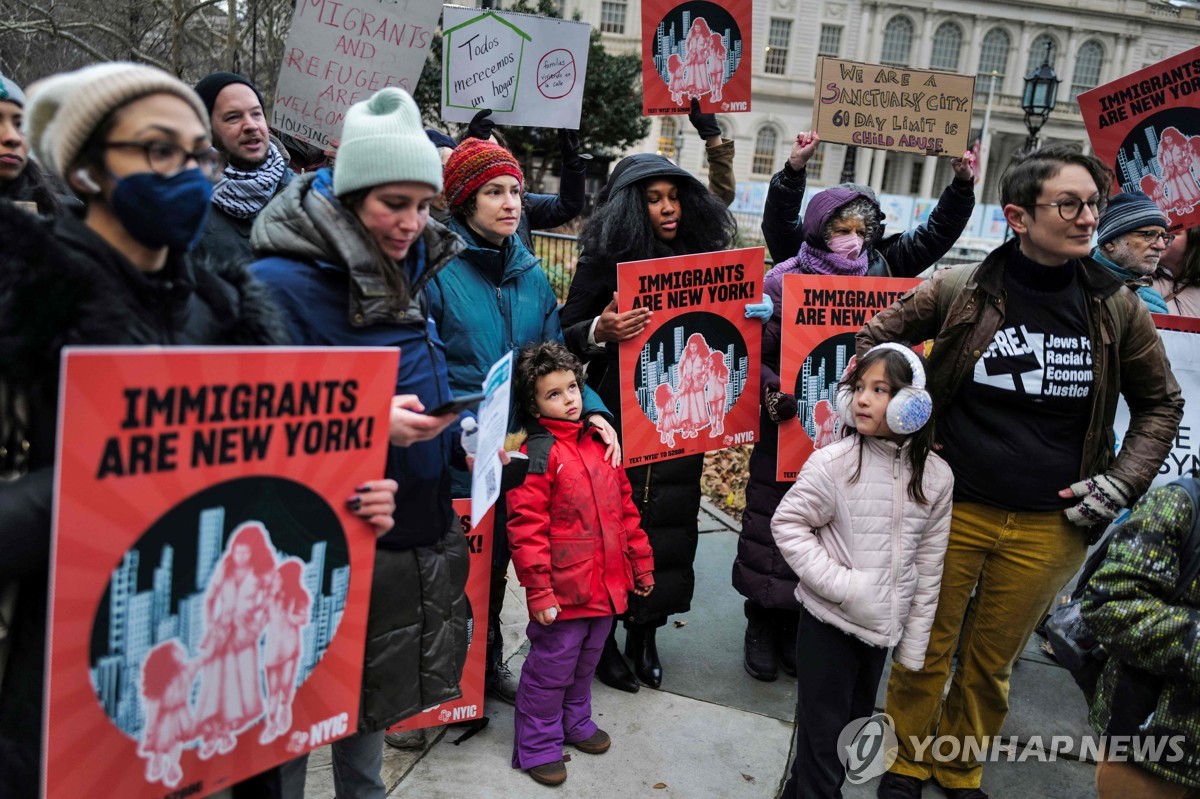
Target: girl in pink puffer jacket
865,528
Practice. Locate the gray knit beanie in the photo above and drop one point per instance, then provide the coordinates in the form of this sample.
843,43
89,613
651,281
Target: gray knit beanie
383,142
64,110
1128,211
11,92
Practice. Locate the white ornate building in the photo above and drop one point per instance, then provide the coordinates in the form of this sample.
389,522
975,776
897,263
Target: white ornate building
1091,43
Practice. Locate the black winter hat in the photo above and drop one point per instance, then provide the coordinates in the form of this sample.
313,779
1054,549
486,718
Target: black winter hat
634,168
211,85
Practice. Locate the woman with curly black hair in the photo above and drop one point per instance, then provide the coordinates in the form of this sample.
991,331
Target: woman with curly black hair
1178,275
650,208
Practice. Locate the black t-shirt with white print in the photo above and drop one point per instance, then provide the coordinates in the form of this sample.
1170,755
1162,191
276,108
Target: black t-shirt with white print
1014,433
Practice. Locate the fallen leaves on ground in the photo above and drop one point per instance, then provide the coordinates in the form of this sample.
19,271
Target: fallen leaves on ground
724,478
747,777
660,785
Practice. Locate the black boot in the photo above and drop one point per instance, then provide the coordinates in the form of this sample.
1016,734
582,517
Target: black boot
612,670
641,649
786,622
761,659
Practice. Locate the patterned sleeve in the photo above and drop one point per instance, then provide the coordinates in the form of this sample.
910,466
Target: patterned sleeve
1126,601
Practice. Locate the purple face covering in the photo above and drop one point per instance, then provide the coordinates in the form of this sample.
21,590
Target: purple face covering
849,246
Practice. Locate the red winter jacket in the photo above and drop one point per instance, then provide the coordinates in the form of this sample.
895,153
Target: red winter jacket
575,534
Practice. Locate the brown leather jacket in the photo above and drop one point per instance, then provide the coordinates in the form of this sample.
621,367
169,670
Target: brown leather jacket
1133,362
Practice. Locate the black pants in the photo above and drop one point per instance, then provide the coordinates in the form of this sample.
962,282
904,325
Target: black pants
837,677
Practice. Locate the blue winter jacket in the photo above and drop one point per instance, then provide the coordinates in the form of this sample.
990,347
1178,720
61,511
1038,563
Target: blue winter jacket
489,301
323,277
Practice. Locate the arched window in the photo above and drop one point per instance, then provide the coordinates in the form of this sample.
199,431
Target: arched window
993,53
897,41
765,145
1037,52
668,132
947,44
1087,67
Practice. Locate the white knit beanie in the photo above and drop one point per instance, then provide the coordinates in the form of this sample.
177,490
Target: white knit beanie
64,110
383,142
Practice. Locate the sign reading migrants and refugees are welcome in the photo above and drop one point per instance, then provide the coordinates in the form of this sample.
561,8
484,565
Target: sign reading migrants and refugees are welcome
893,108
340,52
528,70
1146,126
209,586
689,381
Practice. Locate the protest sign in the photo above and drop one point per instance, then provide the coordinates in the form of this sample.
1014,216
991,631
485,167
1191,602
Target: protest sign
469,706
893,108
209,587
689,380
1146,127
694,49
1181,337
528,70
493,428
821,315
340,52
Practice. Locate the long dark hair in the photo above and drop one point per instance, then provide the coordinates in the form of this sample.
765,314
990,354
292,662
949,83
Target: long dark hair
899,375
34,185
1189,273
620,230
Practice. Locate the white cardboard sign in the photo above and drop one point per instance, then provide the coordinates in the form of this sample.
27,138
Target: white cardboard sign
528,70
340,52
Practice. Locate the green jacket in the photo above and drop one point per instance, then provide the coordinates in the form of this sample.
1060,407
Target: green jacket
1125,607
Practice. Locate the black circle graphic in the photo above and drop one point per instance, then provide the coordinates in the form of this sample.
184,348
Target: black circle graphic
673,30
818,377
666,346
166,572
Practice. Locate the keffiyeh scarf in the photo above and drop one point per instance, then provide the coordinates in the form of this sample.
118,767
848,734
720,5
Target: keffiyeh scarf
242,193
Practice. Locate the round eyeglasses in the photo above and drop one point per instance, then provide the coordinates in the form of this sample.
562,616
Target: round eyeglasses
166,158
1151,236
1070,208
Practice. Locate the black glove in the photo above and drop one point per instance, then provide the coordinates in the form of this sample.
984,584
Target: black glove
481,127
705,124
780,406
568,143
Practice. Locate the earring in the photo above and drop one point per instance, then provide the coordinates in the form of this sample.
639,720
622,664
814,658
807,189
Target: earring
85,181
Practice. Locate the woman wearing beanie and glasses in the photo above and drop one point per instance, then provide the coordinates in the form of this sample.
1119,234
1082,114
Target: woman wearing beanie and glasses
349,256
492,299
133,144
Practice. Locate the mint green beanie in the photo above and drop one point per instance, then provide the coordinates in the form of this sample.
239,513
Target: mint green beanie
383,141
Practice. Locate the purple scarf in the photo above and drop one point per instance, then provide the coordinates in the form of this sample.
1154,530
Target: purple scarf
824,262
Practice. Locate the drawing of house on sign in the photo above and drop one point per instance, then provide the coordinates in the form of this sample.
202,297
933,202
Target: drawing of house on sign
483,56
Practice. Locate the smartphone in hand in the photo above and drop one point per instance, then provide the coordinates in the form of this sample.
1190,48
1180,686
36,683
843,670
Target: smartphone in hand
457,404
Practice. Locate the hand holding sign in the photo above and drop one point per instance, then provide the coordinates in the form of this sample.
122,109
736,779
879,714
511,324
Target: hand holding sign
614,326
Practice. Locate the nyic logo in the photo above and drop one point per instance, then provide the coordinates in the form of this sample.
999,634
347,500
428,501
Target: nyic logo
868,746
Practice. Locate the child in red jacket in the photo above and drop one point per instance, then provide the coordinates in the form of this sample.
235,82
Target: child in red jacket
578,548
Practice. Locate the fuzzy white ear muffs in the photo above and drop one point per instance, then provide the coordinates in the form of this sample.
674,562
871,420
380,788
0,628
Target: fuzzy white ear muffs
845,396
911,407
909,410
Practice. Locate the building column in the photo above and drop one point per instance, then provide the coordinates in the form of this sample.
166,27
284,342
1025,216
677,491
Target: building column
928,168
1117,66
1068,70
862,165
985,151
867,35
975,37
877,164
925,45
1016,77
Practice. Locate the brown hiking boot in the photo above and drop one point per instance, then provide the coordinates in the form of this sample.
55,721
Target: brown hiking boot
550,773
596,745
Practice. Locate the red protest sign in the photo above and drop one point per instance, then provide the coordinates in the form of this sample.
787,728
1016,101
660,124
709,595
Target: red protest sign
695,49
821,316
470,705
689,381
1146,127
209,588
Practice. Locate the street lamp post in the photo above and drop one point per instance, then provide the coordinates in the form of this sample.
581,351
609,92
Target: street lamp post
1041,93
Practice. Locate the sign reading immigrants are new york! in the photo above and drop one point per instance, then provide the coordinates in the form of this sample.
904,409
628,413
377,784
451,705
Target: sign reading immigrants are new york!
340,52
689,381
1146,127
893,108
821,315
208,584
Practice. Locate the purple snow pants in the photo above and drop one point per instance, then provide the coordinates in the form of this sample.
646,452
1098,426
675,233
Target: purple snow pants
554,700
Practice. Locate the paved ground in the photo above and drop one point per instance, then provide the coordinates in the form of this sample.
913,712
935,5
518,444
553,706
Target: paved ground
711,731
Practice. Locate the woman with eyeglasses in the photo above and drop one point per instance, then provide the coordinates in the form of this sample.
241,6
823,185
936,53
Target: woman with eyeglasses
133,144
1178,276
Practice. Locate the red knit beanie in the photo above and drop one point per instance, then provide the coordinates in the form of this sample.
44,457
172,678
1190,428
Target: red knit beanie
472,164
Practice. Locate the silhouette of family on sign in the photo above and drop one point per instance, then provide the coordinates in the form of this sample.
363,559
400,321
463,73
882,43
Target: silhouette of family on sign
255,610
702,70
1178,190
701,397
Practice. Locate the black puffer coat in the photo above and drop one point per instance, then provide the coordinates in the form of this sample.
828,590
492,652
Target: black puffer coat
667,494
61,284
